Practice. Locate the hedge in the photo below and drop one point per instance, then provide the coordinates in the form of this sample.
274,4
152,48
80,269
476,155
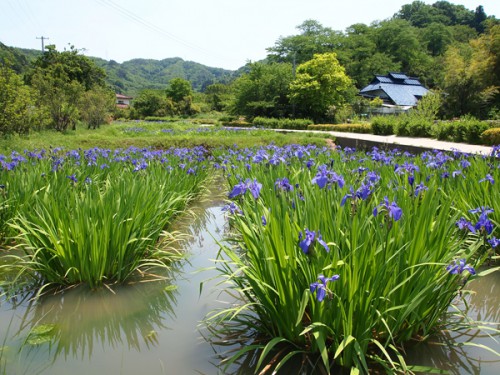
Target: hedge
491,137
351,128
276,123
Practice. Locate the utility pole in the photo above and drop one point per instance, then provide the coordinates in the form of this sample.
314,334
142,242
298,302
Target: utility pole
43,46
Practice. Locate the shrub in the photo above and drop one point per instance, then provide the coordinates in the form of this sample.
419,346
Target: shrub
491,136
465,130
413,126
353,128
276,123
384,125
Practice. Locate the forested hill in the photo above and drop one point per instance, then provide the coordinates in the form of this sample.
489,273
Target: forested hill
132,76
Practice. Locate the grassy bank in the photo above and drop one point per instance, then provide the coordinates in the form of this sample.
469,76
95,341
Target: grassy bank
158,135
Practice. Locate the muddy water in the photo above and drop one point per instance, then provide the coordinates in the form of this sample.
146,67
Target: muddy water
151,328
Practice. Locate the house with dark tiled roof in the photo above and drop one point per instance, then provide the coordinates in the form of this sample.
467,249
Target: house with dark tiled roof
398,91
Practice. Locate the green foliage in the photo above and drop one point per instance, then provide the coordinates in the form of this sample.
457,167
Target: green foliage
61,80
314,38
98,221
350,128
414,126
320,84
428,107
471,76
179,89
384,125
393,284
153,103
491,137
263,91
218,96
97,105
18,113
135,75
275,123
467,130
68,65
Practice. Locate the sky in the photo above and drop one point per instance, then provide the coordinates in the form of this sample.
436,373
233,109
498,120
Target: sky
217,33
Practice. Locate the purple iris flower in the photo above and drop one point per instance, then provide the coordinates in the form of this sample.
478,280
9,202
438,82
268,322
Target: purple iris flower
320,286
264,221
73,178
255,188
306,242
283,184
321,177
232,208
456,268
483,222
494,242
372,176
351,195
411,179
392,209
464,163
488,178
322,243
420,188
464,224
238,189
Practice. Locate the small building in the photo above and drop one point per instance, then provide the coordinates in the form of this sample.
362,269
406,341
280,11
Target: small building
123,101
398,92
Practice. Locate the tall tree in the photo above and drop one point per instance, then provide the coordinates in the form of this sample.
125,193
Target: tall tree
320,84
18,114
314,38
471,78
61,78
263,91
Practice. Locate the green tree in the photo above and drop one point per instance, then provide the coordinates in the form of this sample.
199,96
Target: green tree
153,103
18,112
437,37
60,79
320,84
217,95
180,92
70,65
98,104
179,89
364,60
471,78
263,91
400,40
314,38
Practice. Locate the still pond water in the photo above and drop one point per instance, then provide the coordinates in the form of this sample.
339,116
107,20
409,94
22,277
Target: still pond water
152,328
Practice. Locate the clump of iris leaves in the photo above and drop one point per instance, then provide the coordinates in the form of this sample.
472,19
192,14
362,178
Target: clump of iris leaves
338,254
340,258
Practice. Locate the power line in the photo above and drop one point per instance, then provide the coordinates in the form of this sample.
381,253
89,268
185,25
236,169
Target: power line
141,21
134,17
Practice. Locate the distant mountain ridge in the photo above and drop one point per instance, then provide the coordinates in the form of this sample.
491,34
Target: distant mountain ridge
134,75
130,77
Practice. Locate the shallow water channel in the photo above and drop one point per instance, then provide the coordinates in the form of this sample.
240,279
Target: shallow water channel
152,328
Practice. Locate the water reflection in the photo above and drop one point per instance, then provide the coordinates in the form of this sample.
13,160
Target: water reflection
458,351
83,320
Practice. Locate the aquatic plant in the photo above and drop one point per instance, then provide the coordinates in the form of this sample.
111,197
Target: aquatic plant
95,216
390,229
